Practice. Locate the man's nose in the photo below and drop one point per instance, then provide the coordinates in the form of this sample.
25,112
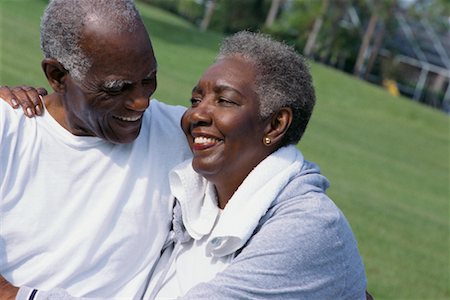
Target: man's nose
138,101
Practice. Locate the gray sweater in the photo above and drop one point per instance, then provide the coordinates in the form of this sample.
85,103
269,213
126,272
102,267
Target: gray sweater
303,248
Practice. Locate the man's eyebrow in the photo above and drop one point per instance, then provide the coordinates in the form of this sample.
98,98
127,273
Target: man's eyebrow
115,83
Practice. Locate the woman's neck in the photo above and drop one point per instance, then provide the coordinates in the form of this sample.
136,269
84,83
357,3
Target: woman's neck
224,193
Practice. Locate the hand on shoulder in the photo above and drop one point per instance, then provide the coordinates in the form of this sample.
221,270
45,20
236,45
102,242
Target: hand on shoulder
29,98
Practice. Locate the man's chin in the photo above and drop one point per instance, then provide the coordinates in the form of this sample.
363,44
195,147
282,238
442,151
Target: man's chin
123,138
122,135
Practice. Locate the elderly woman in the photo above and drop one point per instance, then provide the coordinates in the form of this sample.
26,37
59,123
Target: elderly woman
252,219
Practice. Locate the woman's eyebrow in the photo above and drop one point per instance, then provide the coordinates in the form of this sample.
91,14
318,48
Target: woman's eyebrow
222,88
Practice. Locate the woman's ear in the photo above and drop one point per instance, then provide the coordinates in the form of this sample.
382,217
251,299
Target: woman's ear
55,73
278,125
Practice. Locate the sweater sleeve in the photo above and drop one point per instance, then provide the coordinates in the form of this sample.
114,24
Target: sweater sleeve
298,252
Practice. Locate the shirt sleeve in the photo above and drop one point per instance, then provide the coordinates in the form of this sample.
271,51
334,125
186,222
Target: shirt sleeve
296,254
26,293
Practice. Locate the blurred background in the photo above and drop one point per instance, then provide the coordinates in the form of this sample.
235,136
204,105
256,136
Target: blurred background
380,130
403,45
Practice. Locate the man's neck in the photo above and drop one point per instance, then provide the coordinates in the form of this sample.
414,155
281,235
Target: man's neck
54,107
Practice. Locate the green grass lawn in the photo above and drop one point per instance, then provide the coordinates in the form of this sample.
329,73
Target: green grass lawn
387,158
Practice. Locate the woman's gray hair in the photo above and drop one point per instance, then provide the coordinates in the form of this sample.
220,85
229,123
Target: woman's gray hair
62,26
283,78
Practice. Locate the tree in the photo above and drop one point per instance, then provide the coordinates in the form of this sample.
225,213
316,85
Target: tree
209,11
273,11
365,44
382,11
310,43
379,35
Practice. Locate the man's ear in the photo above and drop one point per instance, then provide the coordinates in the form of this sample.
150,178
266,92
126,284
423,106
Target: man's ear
55,73
278,125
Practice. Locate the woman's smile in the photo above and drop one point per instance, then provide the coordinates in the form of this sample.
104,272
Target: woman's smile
205,142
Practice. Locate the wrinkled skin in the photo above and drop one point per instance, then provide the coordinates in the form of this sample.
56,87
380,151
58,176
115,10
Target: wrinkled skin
110,101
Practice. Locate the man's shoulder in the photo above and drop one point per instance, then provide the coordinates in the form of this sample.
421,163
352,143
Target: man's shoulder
162,128
10,118
6,111
164,117
161,110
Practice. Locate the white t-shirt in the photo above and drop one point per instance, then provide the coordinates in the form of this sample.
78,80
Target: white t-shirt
83,214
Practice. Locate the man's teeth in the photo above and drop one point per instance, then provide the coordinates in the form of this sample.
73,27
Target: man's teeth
205,140
129,119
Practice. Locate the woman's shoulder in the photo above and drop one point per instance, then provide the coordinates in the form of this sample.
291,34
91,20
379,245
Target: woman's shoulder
314,242
305,194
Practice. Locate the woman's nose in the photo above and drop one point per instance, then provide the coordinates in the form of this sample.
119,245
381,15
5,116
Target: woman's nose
201,114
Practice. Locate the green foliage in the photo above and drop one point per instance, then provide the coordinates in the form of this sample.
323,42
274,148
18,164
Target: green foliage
229,15
295,22
234,15
170,5
387,158
191,10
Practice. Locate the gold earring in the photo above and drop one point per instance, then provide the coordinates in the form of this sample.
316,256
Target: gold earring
267,141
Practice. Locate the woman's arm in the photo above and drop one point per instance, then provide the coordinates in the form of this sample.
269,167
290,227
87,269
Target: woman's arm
29,98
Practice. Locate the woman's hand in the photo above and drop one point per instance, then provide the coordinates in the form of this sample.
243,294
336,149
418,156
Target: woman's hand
29,98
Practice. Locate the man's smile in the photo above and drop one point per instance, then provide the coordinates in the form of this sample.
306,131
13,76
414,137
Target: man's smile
128,119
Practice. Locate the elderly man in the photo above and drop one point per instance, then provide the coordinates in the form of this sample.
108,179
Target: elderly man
85,203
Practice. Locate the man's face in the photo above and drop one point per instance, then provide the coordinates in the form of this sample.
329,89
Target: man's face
110,101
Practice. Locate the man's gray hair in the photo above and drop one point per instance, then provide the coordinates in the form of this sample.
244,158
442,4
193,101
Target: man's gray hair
283,78
62,25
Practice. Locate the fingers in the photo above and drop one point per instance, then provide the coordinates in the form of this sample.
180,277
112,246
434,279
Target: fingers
41,91
29,98
5,94
35,96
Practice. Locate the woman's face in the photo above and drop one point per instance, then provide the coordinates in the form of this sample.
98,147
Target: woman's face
223,126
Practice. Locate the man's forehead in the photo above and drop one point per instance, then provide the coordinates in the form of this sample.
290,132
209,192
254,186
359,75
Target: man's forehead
101,44
107,24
